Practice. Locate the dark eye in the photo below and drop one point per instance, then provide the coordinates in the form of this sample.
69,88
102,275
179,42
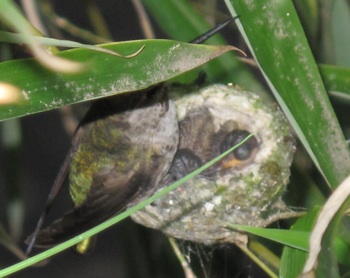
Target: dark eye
244,151
185,162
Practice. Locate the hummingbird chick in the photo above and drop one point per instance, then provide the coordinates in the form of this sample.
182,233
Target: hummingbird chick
245,187
126,147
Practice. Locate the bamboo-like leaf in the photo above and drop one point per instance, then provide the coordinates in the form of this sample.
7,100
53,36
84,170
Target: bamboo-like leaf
336,80
105,75
292,260
182,22
295,239
275,37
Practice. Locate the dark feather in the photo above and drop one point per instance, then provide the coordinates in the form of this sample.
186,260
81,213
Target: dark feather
103,202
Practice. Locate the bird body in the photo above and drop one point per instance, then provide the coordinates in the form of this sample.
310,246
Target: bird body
125,147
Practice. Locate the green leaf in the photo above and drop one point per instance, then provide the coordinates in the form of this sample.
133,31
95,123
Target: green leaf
105,75
340,17
181,21
336,80
308,12
295,239
292,260
275,37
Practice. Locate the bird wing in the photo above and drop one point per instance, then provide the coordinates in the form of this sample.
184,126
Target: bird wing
103,201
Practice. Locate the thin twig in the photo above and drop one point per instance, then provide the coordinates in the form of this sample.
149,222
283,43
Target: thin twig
185,266
145,23
259,262
97,20
31,10
330,208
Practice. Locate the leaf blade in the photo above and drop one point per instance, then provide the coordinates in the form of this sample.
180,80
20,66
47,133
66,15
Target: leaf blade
105,75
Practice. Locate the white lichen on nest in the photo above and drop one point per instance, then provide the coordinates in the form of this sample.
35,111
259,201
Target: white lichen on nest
200,209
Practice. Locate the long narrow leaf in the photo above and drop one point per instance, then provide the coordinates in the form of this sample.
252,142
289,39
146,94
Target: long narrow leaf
295,239
105,75
182,22
275,37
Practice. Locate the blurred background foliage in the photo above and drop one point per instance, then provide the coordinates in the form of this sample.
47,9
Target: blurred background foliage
33,147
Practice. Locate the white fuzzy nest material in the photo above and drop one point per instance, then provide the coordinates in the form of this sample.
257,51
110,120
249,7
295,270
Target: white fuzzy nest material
200,209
